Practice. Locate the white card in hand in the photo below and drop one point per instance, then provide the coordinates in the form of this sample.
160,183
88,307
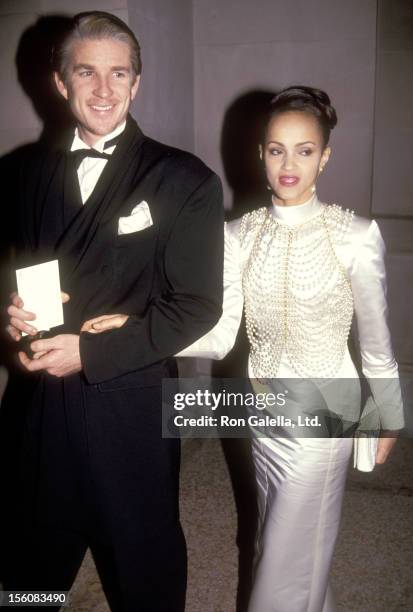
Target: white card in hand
39,288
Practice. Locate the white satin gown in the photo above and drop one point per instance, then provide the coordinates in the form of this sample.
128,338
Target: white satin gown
300,481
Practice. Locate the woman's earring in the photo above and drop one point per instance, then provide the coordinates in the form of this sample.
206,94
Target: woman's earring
321,168
269,187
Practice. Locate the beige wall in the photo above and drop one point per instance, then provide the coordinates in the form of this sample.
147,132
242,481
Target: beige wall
242,45
164,106
392,201
18,121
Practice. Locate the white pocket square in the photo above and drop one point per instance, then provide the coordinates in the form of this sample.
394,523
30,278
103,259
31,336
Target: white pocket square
139,219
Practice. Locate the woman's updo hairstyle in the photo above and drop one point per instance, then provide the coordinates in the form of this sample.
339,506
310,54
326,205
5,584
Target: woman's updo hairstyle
309,100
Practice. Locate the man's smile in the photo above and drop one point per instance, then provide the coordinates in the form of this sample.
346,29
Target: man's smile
101,108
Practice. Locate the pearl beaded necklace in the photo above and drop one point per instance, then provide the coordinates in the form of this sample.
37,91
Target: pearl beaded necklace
297,296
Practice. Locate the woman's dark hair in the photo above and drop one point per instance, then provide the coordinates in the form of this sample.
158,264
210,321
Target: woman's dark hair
305,99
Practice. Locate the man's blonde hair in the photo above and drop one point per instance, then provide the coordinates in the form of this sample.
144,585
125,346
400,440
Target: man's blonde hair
96,25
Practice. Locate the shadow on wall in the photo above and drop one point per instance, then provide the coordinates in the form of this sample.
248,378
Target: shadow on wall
34,69
242,132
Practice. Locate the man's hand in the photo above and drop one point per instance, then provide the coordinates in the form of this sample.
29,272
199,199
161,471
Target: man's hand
59,356
19,317
386,442
104,322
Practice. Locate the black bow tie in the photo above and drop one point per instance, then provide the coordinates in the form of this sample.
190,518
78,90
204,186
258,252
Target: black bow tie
80,154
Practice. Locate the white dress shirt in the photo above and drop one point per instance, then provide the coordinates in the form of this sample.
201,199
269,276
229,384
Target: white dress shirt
91,168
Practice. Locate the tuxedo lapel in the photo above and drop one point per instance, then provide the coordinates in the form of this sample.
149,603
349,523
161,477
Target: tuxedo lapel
72,197
41,203
107,196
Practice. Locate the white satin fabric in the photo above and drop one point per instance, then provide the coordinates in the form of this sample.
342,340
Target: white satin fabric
301,480
362,255
300,483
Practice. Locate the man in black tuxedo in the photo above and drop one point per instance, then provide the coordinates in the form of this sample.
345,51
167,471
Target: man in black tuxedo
137,228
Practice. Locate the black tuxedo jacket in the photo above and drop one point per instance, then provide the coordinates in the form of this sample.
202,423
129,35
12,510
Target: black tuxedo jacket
168,277
95,438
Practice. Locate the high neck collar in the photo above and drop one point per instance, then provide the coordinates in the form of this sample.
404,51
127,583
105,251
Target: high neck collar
78,143
294,215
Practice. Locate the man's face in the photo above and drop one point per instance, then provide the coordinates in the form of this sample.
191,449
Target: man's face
99,86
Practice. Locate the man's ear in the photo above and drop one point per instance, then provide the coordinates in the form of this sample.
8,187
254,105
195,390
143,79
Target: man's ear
61,87
135,86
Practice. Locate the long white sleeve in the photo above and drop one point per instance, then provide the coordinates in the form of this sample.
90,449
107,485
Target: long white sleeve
219,341
368,281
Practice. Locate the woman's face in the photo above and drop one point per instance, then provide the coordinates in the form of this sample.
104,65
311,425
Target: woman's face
293,155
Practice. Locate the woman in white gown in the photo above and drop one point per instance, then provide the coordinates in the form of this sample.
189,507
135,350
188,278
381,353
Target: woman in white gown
300,269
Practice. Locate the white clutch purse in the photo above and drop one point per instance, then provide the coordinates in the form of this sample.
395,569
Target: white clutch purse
365,449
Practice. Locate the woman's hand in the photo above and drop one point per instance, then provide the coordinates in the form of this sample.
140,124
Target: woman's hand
103,323
386,442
